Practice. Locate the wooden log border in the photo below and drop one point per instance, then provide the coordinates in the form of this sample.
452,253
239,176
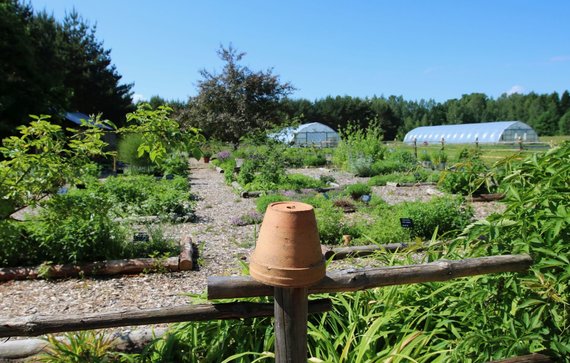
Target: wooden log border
183,262
34,325
361,279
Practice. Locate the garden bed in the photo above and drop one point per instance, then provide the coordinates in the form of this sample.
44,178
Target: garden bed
182,262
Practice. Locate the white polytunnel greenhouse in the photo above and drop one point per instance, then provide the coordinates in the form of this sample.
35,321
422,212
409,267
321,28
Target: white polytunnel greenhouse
485,133
310,134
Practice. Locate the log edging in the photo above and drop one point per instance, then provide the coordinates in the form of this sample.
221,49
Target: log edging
183,262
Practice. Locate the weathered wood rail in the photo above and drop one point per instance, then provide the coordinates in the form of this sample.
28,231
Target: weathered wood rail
237,287
34,325
339,253
354,280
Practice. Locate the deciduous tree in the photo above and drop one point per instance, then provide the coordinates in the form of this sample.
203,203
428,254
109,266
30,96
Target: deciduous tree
237,101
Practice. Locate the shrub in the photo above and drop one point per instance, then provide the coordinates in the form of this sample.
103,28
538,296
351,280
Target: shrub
18,249
359,148
145,195
444,213
314,159
175,163
331,224
395,161
468,177
262,202
127,152
384,229
300,181
358,190
157,245
360,165
77,227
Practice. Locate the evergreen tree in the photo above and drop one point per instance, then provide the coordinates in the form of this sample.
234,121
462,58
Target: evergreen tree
91,75
47,68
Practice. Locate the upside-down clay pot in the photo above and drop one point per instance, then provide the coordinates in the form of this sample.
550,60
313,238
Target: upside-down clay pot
288,251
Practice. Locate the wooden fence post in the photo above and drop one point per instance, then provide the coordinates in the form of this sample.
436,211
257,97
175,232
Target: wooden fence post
290,324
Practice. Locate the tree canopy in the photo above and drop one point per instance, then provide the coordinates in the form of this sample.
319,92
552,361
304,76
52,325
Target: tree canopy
236,101
48,67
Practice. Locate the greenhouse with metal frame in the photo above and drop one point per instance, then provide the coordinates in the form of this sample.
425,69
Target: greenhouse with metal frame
484,133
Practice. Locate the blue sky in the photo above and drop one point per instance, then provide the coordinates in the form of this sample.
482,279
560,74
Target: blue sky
416,49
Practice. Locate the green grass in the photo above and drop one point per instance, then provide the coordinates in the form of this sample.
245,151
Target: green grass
489,153
554,140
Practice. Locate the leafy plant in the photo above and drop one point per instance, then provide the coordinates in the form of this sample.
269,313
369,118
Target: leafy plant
43,158
161,134
263,202
79,347
537,222
128,153
144,195
444,214
359,148
468,177
331,224
76,227
358,190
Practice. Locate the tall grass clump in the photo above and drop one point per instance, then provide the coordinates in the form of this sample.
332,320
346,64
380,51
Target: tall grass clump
127,152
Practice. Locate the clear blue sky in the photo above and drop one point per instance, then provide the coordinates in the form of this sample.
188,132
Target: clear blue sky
416,49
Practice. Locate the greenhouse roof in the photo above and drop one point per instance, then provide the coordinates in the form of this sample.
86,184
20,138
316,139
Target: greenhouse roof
485,132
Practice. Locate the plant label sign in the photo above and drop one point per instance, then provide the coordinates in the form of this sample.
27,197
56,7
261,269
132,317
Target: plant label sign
406,222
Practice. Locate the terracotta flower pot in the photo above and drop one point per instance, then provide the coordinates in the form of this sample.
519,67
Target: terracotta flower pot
288,251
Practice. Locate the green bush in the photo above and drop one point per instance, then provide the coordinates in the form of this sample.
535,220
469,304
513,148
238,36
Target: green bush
331,224
18,249
468,177
447,214
262,202
176,163
127,152
358,190
384,229
300,181
145,195
158,245
359,148
395,161
77,227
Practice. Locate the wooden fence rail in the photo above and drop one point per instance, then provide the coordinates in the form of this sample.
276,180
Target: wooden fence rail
354,280
38,325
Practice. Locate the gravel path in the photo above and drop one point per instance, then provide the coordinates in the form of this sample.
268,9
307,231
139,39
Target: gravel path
221,246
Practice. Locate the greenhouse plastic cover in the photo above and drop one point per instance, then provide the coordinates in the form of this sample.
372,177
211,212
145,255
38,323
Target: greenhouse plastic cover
287,135
486,132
